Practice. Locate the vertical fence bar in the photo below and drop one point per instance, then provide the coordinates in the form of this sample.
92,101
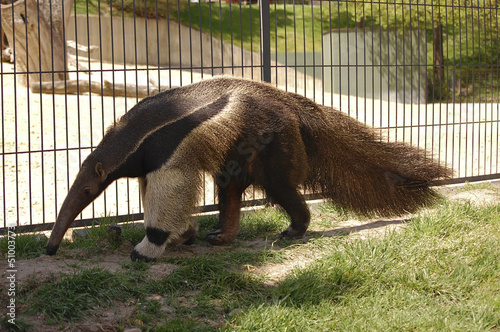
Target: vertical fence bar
201,41
460,65
158,58
78,109
16,164
265,40
221,37
275,26
473,111
180,41
304,46
285,13
497,26
66,77
2,108
190,45
103,108
295,46
28,69
313,68
241,41
454,73
211,38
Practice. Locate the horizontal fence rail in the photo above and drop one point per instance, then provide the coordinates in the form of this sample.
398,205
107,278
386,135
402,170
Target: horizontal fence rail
423,72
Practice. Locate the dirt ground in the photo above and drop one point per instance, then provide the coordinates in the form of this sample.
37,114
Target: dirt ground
42,268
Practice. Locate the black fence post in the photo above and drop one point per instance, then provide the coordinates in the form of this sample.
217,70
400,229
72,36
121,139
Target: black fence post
265,40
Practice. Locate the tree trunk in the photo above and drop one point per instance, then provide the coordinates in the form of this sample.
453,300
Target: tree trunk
35,32
6,56
437,38
107,88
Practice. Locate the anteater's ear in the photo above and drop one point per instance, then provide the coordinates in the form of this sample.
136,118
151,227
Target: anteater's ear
99,170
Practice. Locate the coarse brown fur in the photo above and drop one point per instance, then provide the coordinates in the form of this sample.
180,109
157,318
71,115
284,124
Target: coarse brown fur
243,132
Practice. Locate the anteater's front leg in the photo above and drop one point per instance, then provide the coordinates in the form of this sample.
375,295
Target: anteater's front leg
169,197
229,206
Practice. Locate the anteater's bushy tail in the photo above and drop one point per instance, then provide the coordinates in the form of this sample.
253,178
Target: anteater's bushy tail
357,170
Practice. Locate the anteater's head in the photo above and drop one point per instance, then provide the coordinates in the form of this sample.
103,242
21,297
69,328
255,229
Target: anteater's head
89,184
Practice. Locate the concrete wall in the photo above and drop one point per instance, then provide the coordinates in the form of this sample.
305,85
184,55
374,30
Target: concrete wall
159,43
169,44
380,64
308,63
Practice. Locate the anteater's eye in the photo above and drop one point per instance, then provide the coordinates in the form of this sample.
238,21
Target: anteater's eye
86,192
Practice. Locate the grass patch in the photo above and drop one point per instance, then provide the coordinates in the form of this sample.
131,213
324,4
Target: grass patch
439,272
26,245
94,239
70,297
19,325
336,213
254,224
181,324
267,221
208,275
478,185
133,233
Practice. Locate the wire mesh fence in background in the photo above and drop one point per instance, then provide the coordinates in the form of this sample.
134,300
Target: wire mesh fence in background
425,72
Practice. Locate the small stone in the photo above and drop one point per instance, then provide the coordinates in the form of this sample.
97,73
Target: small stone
235,312
155,297
79,234
7,55
114,231
135,329
41,237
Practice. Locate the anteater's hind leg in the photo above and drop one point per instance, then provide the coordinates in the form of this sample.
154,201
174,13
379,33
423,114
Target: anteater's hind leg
229,205
294,204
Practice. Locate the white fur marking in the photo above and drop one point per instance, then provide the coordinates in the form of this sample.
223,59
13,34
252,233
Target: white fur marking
148,249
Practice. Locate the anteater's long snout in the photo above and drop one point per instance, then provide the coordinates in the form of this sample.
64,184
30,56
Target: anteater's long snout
69,211
72,206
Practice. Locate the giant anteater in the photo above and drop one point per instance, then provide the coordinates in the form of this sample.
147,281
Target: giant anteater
244,132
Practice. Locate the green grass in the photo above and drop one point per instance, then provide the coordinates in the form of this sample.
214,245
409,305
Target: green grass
470,39
70,297
26,245
478,185
295,28
19,325
92,7
270,221
96,239
440,272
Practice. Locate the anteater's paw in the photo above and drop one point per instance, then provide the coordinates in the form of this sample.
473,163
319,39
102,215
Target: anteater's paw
291,233
219,238
51,250
136,256
147,251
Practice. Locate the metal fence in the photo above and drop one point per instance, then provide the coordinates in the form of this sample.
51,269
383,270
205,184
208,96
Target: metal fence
424,72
